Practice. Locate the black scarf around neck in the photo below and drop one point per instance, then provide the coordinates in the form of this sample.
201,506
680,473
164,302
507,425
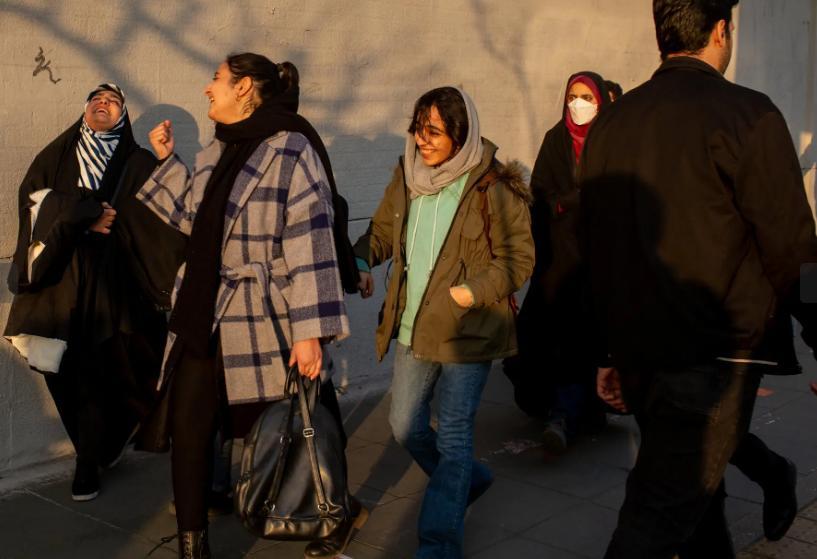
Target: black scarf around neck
194,311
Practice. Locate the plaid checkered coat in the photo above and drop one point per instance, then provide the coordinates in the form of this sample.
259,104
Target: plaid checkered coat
279,276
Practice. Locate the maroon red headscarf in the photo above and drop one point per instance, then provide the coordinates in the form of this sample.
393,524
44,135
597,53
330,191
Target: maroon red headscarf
579,131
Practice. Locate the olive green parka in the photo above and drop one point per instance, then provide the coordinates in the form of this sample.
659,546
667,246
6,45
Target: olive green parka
488,247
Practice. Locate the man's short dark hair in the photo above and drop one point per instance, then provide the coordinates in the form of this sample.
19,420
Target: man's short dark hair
684,26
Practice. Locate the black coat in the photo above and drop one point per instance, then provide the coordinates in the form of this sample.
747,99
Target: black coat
83,280
102,294
553,321
696,223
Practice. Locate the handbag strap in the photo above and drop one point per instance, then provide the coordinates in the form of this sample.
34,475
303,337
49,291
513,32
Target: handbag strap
285,434
309,435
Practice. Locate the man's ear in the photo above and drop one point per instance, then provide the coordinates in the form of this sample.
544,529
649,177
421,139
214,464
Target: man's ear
720,33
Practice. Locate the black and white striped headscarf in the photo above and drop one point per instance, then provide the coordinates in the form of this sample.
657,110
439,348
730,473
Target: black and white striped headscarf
95,149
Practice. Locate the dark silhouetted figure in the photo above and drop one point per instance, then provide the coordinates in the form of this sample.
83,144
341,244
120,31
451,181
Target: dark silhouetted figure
696,225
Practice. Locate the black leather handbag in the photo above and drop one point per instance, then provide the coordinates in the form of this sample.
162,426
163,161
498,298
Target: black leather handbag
293,469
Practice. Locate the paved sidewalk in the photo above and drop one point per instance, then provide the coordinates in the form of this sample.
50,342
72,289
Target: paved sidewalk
539,507
799,543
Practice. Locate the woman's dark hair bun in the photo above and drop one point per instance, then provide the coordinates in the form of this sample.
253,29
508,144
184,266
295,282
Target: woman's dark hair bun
269,78
289,75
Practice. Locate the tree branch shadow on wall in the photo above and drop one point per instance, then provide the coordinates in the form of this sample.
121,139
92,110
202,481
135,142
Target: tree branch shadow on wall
110,55
359,167
513,60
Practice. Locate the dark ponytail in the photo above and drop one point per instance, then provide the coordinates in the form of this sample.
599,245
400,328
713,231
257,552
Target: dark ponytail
270,79
289,75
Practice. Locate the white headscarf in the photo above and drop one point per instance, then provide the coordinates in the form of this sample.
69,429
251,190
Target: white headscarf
423,180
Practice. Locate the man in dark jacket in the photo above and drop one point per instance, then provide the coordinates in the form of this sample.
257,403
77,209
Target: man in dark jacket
696,225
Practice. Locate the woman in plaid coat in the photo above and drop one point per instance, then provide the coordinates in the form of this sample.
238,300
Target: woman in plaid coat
260,289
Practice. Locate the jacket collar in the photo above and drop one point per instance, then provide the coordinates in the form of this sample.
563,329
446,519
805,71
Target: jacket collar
686,63
488,152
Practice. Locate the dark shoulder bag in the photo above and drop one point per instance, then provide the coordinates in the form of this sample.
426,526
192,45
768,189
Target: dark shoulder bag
293,469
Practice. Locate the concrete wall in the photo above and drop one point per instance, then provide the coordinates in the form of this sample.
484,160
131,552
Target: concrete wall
777,54
362,63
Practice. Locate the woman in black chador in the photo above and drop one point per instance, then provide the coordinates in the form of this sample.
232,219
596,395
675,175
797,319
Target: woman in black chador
84,312
554,374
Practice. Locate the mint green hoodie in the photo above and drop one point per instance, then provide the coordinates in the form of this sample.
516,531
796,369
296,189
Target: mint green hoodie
429,220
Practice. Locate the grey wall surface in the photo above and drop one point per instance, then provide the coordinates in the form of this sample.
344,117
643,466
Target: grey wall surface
362,64
777,54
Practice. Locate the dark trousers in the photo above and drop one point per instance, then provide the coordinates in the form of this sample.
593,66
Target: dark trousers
81,413
757,461
691,423
96,399
198,410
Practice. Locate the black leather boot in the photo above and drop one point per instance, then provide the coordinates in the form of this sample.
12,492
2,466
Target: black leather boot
334,544
194,545
780,500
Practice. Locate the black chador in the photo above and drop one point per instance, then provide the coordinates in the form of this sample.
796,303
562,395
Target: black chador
87,308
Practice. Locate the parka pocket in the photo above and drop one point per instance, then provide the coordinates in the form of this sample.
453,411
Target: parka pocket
473,226
474,243
460,273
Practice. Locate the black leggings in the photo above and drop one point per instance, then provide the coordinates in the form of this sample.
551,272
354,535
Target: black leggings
199,408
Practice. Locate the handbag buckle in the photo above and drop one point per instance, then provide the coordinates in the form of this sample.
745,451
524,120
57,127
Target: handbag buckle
309,432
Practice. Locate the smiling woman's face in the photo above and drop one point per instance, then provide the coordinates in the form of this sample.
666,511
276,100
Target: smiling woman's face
224,95
432,139
103,111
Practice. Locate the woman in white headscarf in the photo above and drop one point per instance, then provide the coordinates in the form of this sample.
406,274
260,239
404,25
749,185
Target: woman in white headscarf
80,315
455,224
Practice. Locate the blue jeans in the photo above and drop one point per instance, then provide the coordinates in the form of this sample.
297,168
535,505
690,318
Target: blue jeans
446,455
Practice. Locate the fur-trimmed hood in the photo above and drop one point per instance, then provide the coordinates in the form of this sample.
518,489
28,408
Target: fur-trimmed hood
512,173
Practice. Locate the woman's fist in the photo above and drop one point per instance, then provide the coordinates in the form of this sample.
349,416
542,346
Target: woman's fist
103,222
161,139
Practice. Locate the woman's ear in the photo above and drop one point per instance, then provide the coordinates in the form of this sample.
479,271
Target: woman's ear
244,86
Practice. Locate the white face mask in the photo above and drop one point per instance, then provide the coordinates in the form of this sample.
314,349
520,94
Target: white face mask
582,111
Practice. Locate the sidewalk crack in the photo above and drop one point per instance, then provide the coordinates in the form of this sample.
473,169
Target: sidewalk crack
74,511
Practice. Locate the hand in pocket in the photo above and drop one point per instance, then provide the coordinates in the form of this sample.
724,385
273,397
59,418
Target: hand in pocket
462,296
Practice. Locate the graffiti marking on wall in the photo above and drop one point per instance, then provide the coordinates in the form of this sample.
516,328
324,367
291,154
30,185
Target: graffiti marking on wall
43,64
